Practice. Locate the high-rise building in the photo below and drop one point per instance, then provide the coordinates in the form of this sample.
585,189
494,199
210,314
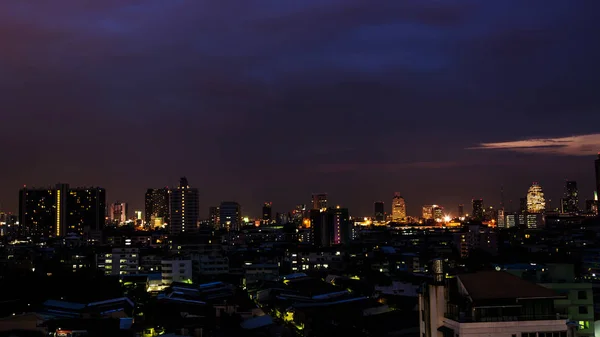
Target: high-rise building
213,216
379,211
536,203
319,200
267,213
52,212
570,200
591,207
330,227
501,219
427,212
184,208
438,213
157,206
478,210
597,166
230,215
37,212
118,212
86,207
398,208
461,210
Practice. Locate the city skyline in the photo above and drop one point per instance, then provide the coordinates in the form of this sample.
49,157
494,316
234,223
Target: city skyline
510,203
442,103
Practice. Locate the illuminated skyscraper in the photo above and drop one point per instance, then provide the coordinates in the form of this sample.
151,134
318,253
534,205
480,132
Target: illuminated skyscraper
319,200
184,208
570,201
379,211
536,203
157,206
118,213
86,209
230,215
427,212
267,213
53,212
478,210
330,227
213,216
37,212
398,208
438,213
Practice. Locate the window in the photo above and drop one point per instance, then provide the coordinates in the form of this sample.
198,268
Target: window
584,325
582,295
583,309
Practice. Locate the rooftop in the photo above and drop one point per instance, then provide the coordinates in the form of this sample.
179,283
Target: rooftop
496,285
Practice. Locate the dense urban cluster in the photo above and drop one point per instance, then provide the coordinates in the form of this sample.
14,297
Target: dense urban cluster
73,265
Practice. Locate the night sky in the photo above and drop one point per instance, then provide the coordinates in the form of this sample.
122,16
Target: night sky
276,99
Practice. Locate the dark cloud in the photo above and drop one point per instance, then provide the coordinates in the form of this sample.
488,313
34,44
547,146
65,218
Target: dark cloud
258,100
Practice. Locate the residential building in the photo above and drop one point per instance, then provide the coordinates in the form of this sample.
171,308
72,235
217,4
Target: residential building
230,215
176,269
119,261
184,210
488,303
157,207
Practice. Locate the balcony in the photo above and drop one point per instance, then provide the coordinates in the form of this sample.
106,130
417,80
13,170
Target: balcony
498,314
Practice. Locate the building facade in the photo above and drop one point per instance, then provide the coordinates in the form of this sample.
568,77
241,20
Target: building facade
156,205
398,208
230,216
54,212
184,210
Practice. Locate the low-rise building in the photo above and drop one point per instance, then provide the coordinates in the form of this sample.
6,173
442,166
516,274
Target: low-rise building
119,261
176,270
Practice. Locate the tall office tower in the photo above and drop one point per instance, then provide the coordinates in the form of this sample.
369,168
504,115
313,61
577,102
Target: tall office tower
319,200
536,203
230,215
118,212
157,206
478,210
184,208
398,208
570,201
267,213
438,213
86,208
330,227
379,211
213,216
428,212
461,210
597,166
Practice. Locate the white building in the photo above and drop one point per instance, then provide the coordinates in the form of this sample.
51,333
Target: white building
176,270
489,303
120,261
